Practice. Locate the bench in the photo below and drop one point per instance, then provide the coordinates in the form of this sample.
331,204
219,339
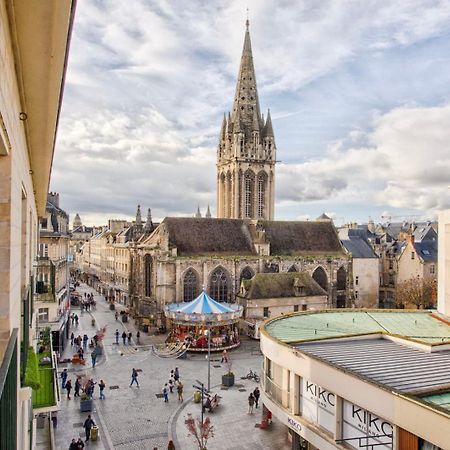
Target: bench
211,403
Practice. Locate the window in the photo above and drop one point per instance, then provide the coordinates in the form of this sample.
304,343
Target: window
248,194
432,269
43,315
266,311
246,274
148,275
44,223
320,277
190,286
304,307
219,285
261,195
356,294
413,255
295,308
356,280
391,264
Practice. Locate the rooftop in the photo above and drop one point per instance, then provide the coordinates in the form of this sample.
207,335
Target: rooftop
425,327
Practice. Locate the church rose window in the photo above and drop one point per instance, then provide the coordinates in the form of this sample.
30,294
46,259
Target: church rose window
190,286
219,285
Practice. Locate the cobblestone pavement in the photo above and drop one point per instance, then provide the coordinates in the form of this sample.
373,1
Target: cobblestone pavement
132,418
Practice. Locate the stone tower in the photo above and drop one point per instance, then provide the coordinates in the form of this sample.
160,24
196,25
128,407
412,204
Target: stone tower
246,154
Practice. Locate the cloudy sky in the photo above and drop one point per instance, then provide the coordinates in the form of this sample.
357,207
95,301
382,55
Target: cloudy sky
359,93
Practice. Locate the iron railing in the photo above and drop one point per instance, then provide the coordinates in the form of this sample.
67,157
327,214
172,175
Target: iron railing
8,395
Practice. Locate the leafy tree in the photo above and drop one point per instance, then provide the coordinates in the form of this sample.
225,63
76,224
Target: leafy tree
416,292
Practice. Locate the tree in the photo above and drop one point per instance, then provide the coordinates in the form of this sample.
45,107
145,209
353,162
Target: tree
416,292
201,431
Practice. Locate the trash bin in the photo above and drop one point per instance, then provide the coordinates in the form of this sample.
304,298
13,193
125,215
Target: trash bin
197,397
94,433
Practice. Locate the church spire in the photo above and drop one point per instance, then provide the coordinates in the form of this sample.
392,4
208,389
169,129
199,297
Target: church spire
138,216
268,130
148,228
208,213
198,214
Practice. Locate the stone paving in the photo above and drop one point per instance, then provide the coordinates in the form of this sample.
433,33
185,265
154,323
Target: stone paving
132,418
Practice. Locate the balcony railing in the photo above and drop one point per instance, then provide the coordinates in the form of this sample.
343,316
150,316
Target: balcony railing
273,390
8,395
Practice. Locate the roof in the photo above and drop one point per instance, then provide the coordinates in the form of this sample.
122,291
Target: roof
427,250
358,247
203,304
278,285
425,327
442,400
202,236
426,232
380,360
301,237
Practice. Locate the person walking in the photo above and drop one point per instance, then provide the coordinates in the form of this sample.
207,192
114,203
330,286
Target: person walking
93,357
171,385
88,424
165,393
68,388
124,336
80,444
224,357
85,341
73,445
251,402
138,337
76,319
256,394
134,376
176,374
117,336
72,337
77,387
170,446
102,386
129,337
180,391
64,378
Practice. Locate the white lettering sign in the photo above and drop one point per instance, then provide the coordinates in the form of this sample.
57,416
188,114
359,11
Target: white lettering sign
317,405
360,423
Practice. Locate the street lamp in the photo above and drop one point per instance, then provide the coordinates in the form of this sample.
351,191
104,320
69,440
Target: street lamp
208,331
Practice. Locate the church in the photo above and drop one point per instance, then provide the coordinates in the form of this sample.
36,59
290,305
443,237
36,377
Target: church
184,255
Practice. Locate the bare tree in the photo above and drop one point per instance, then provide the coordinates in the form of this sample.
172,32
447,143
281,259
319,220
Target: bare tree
416,292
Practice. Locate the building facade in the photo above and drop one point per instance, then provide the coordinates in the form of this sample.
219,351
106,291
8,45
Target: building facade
246,154
444,263
33,61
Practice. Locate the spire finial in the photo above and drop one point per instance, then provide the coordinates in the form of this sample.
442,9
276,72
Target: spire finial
247,22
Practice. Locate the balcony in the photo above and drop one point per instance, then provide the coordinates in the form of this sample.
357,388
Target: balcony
273,391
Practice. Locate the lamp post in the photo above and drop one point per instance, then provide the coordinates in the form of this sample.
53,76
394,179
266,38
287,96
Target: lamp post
209,357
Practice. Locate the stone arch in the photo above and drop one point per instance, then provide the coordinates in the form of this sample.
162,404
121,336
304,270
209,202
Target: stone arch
293,268
246,274
341,279
219,284
190,284
249,193
320,277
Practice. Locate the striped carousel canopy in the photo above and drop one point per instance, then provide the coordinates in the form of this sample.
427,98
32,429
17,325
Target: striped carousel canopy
203,308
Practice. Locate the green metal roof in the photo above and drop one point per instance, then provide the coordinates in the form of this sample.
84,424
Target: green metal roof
442,400
421,326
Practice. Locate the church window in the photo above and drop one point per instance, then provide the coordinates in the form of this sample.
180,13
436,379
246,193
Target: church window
219,285
248,194
190,286
148,275
261,194
320,277
242,108
341,279
242,98
251,98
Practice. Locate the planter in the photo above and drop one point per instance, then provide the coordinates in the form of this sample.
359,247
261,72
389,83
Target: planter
112,306
86,405
228,379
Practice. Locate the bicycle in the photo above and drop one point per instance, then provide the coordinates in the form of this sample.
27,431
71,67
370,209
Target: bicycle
253,376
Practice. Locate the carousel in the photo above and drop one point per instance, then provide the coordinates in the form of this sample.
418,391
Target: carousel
204,323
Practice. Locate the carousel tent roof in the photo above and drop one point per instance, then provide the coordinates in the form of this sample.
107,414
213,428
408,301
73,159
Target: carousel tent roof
203,304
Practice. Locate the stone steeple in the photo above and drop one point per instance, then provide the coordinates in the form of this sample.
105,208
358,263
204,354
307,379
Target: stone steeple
198,214
148,228
138,222
246,154
208,213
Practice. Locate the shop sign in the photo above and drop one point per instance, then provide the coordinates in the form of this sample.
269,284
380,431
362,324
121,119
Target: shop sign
317,405
296,426
360,423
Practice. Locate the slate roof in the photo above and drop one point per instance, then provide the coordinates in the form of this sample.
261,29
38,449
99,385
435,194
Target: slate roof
293,238
424,233
202,236
427,250
382,361
358,247
277,285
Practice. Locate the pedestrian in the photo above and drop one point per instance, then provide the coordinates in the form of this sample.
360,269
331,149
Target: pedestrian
224,357
180,391
72,337
73,445
176,374
256,394
85,340
171,385
88,424
77,387
68,388
102,386
76,319
81,353
90,389
171,446
124,336
117,337
129,338
138,337
134,376
251,402
72,318
165,393
93,358
64,378
80,444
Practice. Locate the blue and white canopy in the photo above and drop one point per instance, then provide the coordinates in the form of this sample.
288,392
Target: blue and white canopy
203,309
